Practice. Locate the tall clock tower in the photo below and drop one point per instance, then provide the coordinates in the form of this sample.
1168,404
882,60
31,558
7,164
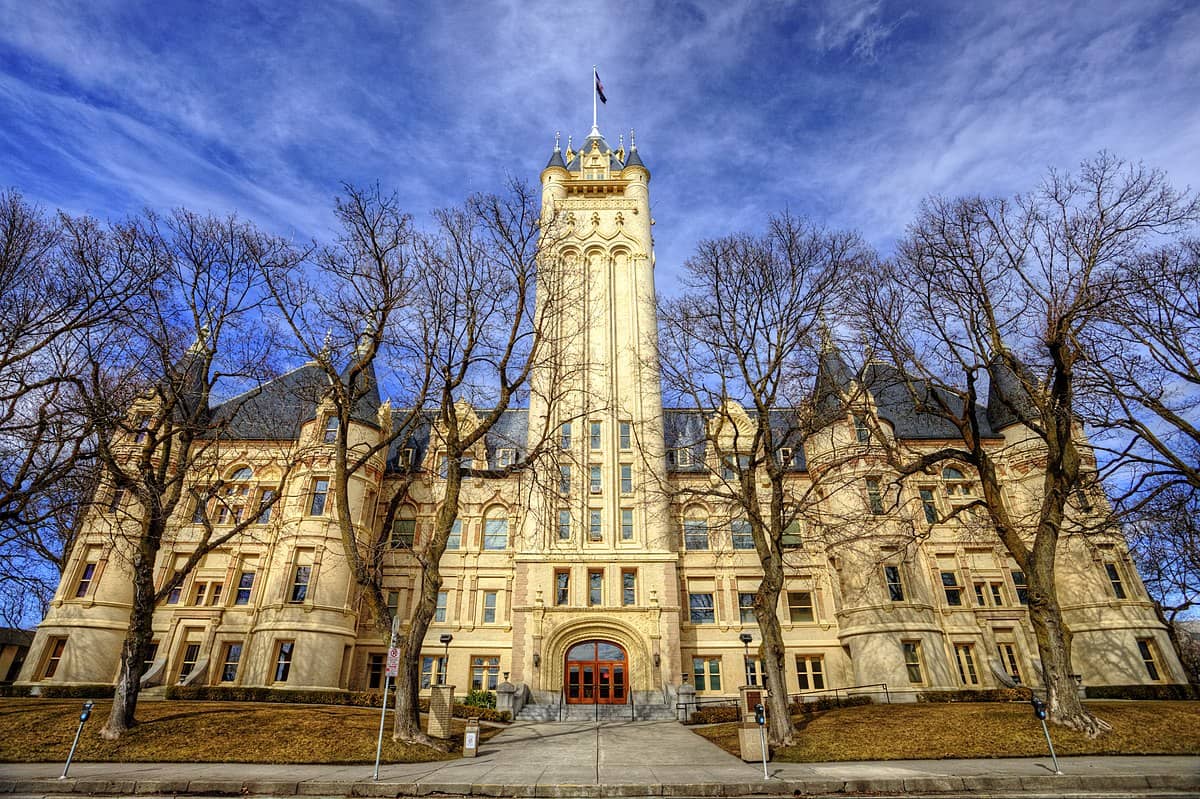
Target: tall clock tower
596,596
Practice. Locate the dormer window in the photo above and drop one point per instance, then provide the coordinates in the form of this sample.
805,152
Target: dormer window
958,487
331,430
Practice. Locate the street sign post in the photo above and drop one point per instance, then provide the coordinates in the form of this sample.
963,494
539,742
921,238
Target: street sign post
393,670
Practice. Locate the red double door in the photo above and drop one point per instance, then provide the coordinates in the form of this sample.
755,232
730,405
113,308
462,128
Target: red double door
597,673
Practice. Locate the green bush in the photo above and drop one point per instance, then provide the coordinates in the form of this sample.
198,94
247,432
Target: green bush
228,693
1178,691
980,695
480,699
714,715
14,690
827,703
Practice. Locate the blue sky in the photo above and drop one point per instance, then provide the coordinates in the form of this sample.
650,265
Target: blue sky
848,112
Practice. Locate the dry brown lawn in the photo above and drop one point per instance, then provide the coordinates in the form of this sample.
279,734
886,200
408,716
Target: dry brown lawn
39,730
932,731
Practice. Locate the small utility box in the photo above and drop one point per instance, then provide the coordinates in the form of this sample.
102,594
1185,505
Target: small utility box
471,738
750,739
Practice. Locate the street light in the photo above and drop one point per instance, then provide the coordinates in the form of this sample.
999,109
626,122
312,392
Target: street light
746,638
446,639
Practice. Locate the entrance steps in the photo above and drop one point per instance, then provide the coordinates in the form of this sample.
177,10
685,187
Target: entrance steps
607,713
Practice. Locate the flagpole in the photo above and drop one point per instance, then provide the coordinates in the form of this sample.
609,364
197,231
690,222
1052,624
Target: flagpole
594,80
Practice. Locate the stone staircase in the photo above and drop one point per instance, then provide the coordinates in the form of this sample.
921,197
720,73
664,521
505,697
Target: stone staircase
606,713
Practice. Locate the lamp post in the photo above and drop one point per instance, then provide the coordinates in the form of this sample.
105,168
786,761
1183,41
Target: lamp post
746,638
446,639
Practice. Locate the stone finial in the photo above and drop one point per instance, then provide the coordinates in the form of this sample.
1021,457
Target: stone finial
556,135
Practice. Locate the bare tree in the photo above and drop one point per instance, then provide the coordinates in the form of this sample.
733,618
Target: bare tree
47,307
742,344
150,398
1004,293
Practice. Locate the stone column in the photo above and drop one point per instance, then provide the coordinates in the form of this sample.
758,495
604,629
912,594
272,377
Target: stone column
687,700
506,698
441,710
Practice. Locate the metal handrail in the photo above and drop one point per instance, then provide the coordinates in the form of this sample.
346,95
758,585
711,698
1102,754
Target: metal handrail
839,692
562,701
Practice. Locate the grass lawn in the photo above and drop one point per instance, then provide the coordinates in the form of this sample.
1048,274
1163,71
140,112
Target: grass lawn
993,729
39,730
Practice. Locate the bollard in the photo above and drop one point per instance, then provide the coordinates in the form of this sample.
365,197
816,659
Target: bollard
471,738
83,717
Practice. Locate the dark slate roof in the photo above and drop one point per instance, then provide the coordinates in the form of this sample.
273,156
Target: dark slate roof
1008,397
511,431
634,159
366,409
912,407
684,428
833,377
11,636
275,410
556,159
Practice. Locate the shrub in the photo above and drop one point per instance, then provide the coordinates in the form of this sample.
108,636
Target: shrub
14,690
827,703
480,699
229,693
1178,691
980,695
77,691
714,715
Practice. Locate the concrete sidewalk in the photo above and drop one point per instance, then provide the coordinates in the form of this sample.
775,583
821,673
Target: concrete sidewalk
588,760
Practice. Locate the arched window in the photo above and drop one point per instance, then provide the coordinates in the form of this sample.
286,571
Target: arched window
242,474
958,486
695,529
950,473
495,529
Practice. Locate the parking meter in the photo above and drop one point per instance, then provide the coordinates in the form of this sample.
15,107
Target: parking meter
87,710
760,714
83,717
1039,708
760,718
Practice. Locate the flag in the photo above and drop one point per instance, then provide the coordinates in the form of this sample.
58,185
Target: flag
600,88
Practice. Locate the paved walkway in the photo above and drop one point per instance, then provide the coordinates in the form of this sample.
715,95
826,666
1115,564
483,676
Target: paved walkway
588,760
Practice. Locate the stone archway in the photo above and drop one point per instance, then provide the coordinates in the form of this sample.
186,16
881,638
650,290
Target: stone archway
638,660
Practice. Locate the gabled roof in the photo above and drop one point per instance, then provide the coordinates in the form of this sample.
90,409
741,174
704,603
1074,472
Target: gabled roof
913,408
275,410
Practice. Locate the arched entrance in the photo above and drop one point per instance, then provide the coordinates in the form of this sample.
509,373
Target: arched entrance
597,672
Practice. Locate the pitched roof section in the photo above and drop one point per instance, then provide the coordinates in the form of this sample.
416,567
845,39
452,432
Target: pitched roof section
914,409
275,410
1008,394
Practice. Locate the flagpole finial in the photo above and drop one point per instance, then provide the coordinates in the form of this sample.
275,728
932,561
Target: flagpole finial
632,141
556,135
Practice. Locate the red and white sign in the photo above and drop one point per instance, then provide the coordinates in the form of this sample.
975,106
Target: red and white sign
393,662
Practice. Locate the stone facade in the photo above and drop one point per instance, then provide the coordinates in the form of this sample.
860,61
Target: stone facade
594,549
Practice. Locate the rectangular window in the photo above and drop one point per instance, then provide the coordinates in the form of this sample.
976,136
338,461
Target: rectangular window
1114,579
300,583
952,588
792,537
439,613
229,663
743,535
489,607
320,491
191,654
564,479
595,587
485,672
454,539
929,505
495,534
997,594
785,458
1008,659
443,466
150,655
56,648
979,595
965,655
1149,655
265,505
626,435
331,430
245,587
200,511
912,661
626,478
810,672
874,496
594,479
746,607
595,531
393,603
199,593
376,664
707,674
85,579
700,608
1021,585
754,667
506,457
626,524
283,660
594,436
431,664
214,594
404,533
565,435
628,587
433,670
175,593
114,502
562,587
862,433
564,525
142,426
695,534
891,575
683,457
800,607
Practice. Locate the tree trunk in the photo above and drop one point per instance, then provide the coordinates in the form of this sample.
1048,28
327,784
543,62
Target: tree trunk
780,729
1054,647
134,650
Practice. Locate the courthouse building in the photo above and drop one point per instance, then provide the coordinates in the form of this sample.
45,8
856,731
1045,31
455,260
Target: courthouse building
596,583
